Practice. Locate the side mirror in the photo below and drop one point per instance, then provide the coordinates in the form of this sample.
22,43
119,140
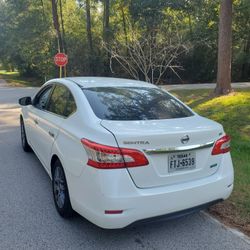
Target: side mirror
25,101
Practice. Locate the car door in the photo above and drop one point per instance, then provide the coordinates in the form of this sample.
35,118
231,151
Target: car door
39,103
50,119
39,128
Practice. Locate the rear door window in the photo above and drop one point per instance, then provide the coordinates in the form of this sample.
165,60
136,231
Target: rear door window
61,102
123,103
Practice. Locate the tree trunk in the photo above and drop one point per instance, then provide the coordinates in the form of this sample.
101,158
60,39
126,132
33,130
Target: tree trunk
89,37
106,34
106,21
224,49
124,25
57,25
63,30
245,69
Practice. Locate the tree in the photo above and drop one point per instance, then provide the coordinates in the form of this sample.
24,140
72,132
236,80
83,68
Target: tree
63,29
224,49
241,41
122,7
145,57
149,14
89,36
25,37
31,30
57,25
106,32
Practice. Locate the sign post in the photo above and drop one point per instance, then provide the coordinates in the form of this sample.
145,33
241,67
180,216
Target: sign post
61,61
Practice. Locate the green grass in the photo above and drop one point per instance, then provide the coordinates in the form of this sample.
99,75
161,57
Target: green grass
14,79
233,112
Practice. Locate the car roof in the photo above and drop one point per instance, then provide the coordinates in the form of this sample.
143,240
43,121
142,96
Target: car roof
86,82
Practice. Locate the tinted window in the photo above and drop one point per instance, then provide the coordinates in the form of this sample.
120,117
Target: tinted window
113,103
61,101
42,98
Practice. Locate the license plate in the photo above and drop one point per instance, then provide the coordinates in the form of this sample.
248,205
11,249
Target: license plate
181,161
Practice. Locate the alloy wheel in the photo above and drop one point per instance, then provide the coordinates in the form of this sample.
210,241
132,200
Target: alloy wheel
59,187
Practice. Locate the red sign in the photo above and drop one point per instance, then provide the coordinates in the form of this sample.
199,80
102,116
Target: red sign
61,59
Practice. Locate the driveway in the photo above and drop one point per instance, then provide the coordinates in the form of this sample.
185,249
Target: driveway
28,219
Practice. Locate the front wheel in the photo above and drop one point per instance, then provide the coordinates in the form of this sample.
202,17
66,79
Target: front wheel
60,191
25,145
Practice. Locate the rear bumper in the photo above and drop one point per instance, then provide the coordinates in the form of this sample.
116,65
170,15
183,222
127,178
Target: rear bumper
175,215
99,190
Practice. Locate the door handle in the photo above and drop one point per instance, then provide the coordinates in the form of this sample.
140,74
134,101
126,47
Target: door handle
51,134
35,121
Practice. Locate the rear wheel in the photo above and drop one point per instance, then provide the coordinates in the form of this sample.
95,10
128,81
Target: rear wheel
60,191
25,145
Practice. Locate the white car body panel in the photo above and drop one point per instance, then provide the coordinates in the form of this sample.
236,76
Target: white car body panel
162,134
141,192
42,142
117,191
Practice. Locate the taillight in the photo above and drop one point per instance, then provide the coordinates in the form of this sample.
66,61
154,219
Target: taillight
107,157
222,145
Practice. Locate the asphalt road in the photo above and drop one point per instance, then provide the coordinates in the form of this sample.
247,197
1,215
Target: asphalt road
28,219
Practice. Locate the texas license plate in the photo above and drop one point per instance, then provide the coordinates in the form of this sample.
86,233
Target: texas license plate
181,161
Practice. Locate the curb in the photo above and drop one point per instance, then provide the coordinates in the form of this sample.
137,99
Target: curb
234,231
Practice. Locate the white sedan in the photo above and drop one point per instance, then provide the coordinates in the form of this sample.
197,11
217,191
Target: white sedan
124,151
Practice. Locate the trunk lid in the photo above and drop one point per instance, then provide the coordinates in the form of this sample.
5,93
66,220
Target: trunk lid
164,142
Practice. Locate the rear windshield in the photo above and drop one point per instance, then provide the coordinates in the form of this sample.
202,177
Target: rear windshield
136,103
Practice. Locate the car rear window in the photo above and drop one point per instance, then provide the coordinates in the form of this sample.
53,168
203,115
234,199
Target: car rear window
134,103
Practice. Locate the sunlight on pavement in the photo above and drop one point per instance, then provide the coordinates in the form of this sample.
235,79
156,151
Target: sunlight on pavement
9,118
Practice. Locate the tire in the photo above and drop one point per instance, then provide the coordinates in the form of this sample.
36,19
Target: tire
60,191
25,145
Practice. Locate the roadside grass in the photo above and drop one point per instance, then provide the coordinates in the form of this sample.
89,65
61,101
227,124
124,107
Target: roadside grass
15,80
233,112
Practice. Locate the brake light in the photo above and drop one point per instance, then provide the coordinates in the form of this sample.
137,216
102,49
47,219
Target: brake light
222,145
107,157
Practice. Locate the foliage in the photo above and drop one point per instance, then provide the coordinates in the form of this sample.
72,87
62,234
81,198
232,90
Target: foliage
29,40
14,79
241,40
24,46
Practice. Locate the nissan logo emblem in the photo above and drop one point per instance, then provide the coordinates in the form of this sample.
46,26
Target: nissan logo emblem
185,139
